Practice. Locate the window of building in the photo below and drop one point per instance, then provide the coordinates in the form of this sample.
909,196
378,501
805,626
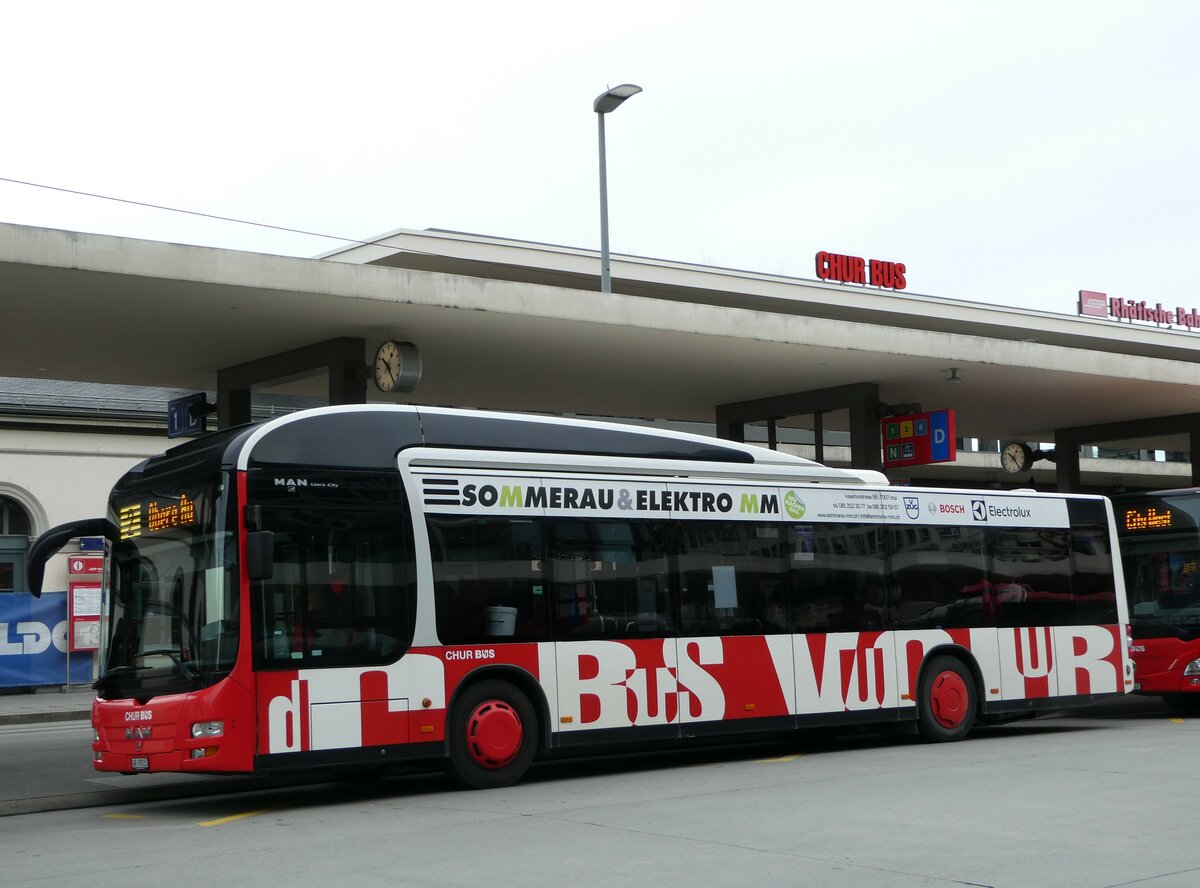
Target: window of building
15,530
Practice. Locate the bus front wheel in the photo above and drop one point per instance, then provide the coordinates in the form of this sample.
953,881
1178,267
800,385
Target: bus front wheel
946,700
493,735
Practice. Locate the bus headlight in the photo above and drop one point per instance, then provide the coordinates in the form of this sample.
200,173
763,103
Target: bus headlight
1193,668
208,729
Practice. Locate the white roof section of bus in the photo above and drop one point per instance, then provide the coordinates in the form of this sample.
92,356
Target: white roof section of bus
767,463
678,340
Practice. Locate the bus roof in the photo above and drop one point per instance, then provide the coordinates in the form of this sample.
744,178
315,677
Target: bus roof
370,436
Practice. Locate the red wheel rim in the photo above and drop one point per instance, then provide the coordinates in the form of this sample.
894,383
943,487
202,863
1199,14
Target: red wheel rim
494,734
948,699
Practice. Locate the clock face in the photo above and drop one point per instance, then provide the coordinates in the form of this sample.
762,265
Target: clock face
387,366
1014,457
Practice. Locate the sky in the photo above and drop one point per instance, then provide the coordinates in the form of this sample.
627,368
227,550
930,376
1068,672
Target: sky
1008,153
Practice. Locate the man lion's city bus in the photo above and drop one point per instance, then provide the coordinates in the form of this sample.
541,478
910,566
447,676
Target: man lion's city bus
1159,535
368,585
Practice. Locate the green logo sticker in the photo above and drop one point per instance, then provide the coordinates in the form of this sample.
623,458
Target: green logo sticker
793,505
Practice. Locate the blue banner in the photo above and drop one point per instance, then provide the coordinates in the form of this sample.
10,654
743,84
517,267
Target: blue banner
33,643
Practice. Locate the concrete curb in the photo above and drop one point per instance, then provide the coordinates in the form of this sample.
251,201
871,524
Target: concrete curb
24,718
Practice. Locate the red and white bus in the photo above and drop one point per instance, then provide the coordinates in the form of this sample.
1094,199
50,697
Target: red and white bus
1159,535
367,585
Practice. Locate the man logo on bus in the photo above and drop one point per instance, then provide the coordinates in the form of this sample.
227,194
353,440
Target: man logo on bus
912,507
793,505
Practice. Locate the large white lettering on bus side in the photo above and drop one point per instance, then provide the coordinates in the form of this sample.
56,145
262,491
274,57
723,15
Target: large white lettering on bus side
285,721
782,650
1082,664
1027,663
696,683
985,649
417,676
334,708
591,684
912,646
839,672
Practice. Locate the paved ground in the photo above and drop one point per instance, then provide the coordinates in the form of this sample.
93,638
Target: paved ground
1098,800
48,704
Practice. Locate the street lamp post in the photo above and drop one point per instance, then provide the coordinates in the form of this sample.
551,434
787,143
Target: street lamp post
605,103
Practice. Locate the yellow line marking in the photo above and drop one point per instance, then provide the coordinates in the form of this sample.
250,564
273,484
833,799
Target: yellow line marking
125,816
782,758
232,817
1177,721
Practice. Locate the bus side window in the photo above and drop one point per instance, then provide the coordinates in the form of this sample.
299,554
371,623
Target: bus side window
941,577
1030,575
341,592
731,577
837,578
489,583
1091,562
609,578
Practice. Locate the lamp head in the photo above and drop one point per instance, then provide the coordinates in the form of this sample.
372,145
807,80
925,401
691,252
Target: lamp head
611,100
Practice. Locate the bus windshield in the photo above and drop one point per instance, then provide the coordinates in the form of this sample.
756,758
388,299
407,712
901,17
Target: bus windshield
1160,551
172,614
1162,578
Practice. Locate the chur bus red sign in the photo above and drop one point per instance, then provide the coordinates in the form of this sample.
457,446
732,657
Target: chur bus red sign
856,270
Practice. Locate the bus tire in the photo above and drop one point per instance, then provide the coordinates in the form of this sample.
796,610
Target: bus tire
492,735
946,700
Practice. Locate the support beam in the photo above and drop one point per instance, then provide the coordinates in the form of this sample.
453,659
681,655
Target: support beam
861,399
343,359
1068,441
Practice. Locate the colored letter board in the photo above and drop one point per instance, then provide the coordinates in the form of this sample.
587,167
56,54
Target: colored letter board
917,439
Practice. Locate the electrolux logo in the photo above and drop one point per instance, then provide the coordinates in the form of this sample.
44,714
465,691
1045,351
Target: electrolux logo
979,510
1009,512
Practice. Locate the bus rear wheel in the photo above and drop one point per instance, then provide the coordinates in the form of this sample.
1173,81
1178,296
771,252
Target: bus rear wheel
492,736
946,700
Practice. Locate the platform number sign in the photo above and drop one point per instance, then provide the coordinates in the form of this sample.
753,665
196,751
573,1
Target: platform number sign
917,439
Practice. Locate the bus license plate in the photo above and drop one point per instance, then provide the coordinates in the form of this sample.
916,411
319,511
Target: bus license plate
140,764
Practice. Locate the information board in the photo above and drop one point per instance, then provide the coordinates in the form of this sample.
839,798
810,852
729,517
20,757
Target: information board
917,439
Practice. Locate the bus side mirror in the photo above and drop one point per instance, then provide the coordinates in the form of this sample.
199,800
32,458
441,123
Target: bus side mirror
260,555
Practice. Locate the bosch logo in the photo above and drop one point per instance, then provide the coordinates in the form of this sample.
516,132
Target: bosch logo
951,509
